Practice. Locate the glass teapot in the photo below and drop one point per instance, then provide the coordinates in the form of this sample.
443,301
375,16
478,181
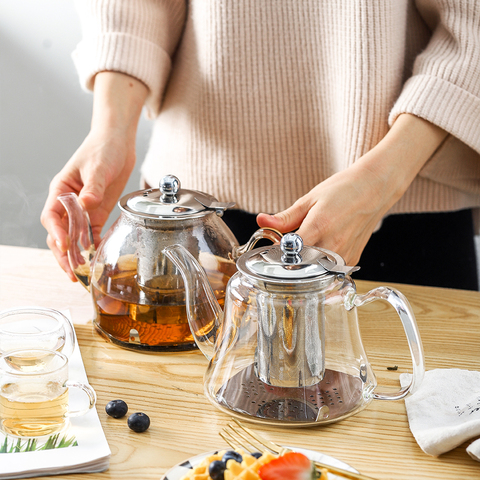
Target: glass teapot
138,294
287,348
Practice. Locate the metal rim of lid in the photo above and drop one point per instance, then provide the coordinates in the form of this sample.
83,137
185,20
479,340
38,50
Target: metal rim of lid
254,265
135,204
168,202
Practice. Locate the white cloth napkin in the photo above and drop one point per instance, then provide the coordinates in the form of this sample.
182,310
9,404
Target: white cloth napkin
445,410
474,450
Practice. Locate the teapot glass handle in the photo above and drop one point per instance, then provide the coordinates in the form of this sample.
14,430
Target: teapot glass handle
262,233
405,312
82,247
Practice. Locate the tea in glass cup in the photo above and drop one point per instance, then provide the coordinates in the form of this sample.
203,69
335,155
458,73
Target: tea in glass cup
34,390
37,328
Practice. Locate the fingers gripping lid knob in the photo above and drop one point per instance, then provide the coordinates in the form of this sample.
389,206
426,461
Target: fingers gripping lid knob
291,246
169,186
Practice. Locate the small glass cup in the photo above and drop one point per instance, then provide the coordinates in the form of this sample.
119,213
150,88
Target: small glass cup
36,327
34,390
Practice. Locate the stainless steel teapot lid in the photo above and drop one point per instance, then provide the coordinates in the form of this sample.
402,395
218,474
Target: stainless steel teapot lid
170,202
291,261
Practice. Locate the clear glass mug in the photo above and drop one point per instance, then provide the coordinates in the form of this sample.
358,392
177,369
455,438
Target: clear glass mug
34,388
36,327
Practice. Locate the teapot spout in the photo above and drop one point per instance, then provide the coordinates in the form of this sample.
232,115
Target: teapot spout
205,316
82,247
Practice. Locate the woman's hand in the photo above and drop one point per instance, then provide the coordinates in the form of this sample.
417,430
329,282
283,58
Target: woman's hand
97,173
339,214
342,212
99,170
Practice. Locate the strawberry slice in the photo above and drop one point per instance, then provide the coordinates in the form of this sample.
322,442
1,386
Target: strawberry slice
291,466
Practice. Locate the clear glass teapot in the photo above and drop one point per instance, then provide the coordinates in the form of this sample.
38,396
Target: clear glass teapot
138,294
287,348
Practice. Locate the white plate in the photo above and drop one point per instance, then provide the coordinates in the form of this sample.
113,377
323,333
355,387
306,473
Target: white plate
178,471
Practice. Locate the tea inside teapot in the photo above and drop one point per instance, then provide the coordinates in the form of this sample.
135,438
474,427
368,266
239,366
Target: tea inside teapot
152,316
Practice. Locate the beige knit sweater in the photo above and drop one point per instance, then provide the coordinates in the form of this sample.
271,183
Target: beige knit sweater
257,101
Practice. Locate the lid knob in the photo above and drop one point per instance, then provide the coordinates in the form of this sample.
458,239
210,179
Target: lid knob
291,246
169,186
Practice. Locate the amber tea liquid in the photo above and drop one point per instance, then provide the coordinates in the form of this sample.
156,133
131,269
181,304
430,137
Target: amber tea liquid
29,363
139,318
33,410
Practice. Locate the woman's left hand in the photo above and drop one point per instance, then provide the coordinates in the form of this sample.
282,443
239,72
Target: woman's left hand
339,214
342,212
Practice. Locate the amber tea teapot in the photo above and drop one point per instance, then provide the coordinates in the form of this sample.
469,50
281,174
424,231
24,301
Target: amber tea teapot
287,348
138,294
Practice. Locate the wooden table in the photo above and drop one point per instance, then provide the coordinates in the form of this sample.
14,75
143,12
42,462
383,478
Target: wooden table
377,441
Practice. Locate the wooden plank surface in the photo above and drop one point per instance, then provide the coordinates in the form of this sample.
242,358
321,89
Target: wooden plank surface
169,387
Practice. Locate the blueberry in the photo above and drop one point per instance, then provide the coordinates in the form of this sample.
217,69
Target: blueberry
231,455
138,422
216,470
116,408
256,454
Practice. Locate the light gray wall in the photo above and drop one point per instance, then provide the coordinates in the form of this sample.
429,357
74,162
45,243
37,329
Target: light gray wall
44,114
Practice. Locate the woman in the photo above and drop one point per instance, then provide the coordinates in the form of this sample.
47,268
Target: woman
332,114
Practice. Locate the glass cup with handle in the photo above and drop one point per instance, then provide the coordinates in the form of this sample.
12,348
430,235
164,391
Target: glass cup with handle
37,328
34,388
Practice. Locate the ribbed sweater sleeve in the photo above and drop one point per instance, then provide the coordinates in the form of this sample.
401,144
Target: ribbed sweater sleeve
445,87
136,37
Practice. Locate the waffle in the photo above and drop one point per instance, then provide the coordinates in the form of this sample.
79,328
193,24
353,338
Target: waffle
247,470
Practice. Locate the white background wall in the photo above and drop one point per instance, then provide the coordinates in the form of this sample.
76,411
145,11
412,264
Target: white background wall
44,114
